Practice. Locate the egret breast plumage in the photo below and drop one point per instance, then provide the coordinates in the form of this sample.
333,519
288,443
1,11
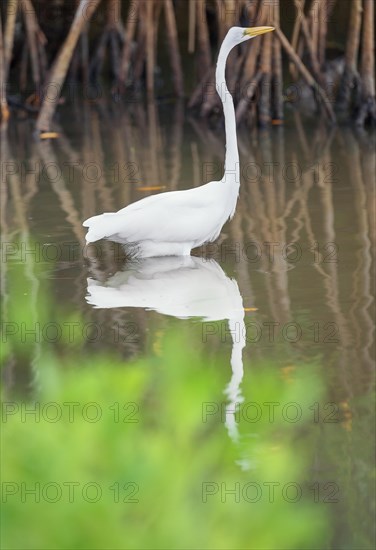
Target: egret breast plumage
175,222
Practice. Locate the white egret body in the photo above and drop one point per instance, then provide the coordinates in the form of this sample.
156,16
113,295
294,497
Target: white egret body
172,223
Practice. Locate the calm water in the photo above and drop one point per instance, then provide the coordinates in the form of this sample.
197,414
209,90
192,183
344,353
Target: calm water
288,284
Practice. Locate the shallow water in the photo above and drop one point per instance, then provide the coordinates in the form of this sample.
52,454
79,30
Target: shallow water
288,284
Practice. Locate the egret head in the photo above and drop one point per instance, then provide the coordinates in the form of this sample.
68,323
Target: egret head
241,34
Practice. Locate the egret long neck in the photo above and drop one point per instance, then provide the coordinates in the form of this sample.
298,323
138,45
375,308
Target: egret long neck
232,172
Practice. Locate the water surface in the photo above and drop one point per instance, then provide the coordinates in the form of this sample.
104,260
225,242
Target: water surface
285,292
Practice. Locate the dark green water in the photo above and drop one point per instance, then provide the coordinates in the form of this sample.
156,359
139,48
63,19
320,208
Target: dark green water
299,312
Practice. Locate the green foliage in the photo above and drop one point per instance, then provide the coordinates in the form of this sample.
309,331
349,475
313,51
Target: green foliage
160,446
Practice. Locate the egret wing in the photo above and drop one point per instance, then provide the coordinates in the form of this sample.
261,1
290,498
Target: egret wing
191,216
177,216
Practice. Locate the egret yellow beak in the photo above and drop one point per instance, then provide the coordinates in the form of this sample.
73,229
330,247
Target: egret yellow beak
255,31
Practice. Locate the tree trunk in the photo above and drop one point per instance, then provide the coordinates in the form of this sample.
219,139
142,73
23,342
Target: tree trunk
295,40
367,69
310,41
4,112
127,47
266,79
322,32
32,41
204,55
350,78
277,71
6,55
59,69
174,50
149,48
305,73
9,35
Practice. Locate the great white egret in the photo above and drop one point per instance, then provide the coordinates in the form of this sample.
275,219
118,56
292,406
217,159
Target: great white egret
172,223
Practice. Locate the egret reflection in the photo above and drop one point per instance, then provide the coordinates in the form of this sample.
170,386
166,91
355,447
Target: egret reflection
183,287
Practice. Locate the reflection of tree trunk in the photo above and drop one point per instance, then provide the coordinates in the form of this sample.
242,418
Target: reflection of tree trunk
302,136
124,152
280,160
8,367
350,78
153,142
279,265
368,162
331,283
20,216
66,199
97,156
361,297
368,102
87,191
176,145
58,72
213,146
5,156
